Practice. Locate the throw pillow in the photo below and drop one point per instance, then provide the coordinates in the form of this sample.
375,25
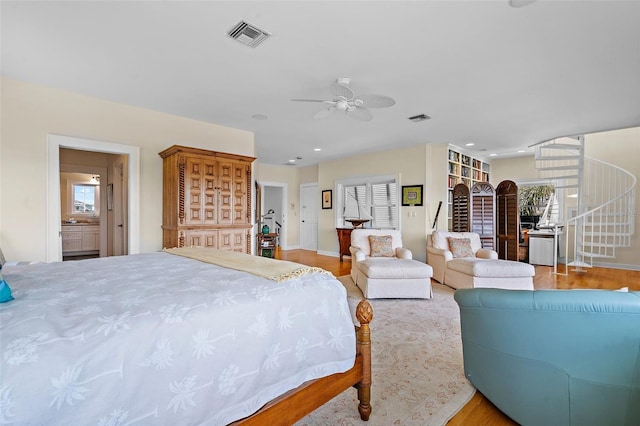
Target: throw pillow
460,247
381,245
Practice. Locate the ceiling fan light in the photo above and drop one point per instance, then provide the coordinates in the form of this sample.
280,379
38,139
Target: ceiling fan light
345,100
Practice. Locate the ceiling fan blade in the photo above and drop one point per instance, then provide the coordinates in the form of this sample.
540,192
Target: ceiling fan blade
360,113
324,113
341,90
309,100
376,101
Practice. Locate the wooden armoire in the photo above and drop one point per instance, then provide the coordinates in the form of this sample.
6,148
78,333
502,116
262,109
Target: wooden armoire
206,199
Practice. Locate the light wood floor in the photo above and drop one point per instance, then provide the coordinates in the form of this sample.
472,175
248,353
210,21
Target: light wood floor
480,411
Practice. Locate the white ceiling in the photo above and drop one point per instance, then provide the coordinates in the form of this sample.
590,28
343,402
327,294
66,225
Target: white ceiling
500,77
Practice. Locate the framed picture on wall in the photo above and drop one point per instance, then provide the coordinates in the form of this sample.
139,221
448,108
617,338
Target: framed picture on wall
327,200
412,195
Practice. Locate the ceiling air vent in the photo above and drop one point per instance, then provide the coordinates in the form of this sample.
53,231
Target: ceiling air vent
248,34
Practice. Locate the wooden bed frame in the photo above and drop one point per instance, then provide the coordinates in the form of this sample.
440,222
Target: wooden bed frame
297,403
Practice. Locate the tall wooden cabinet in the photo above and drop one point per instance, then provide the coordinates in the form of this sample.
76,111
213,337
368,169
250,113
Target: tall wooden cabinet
206,199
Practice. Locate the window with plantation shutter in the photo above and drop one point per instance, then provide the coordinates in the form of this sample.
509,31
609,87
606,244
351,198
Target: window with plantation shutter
374,198
384,204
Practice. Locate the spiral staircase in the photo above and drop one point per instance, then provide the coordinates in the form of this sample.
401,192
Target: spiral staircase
602,219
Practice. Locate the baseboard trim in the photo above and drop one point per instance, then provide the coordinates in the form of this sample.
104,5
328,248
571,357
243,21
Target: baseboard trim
329,253
624,266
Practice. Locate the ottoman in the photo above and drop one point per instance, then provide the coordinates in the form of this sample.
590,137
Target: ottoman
472,272
380,278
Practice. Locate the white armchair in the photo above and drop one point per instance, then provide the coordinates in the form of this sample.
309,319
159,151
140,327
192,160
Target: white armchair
387,270
439,252
461,265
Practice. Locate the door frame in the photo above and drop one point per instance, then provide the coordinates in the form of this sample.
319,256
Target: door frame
53,248
282,238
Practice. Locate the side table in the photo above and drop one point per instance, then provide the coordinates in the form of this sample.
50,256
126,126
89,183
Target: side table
344,238
267,244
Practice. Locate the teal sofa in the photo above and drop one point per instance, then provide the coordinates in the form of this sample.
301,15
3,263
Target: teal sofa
554,357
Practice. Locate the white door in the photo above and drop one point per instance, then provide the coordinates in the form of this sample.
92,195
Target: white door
309,217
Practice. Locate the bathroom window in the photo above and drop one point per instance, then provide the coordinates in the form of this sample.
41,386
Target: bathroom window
85,199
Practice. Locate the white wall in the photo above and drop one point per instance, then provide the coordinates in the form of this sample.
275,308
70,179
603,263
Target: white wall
516,168
30,112
408,163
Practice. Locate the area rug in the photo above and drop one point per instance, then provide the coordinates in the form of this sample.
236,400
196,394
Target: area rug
418,376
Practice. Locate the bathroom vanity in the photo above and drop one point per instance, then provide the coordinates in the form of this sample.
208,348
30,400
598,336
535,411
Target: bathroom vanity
80,239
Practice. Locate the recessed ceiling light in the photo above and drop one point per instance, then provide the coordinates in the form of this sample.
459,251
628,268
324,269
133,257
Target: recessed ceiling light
317,149
259,116
292,161
492,155
521,150
469,144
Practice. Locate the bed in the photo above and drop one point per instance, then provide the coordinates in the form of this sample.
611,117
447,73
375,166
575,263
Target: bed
172,338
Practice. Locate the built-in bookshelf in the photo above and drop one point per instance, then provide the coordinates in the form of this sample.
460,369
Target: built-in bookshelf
464,168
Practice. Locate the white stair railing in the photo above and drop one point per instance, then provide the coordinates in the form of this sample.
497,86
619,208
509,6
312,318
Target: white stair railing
608,196
605,193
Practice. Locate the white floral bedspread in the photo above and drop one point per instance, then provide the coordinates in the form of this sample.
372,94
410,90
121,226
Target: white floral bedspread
162,339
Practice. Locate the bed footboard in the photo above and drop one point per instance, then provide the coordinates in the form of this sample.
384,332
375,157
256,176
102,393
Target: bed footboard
364,314
298,402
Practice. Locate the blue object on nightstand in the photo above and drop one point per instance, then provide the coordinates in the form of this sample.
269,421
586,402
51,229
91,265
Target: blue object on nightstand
5,291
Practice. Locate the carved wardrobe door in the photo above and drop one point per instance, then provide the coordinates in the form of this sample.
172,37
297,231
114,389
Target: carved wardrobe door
206,199
483,213
460,208
508,232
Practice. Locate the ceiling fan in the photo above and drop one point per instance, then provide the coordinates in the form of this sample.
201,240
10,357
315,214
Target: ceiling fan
345,100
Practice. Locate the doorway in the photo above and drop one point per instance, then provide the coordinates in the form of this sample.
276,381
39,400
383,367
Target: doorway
273,208
130,191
